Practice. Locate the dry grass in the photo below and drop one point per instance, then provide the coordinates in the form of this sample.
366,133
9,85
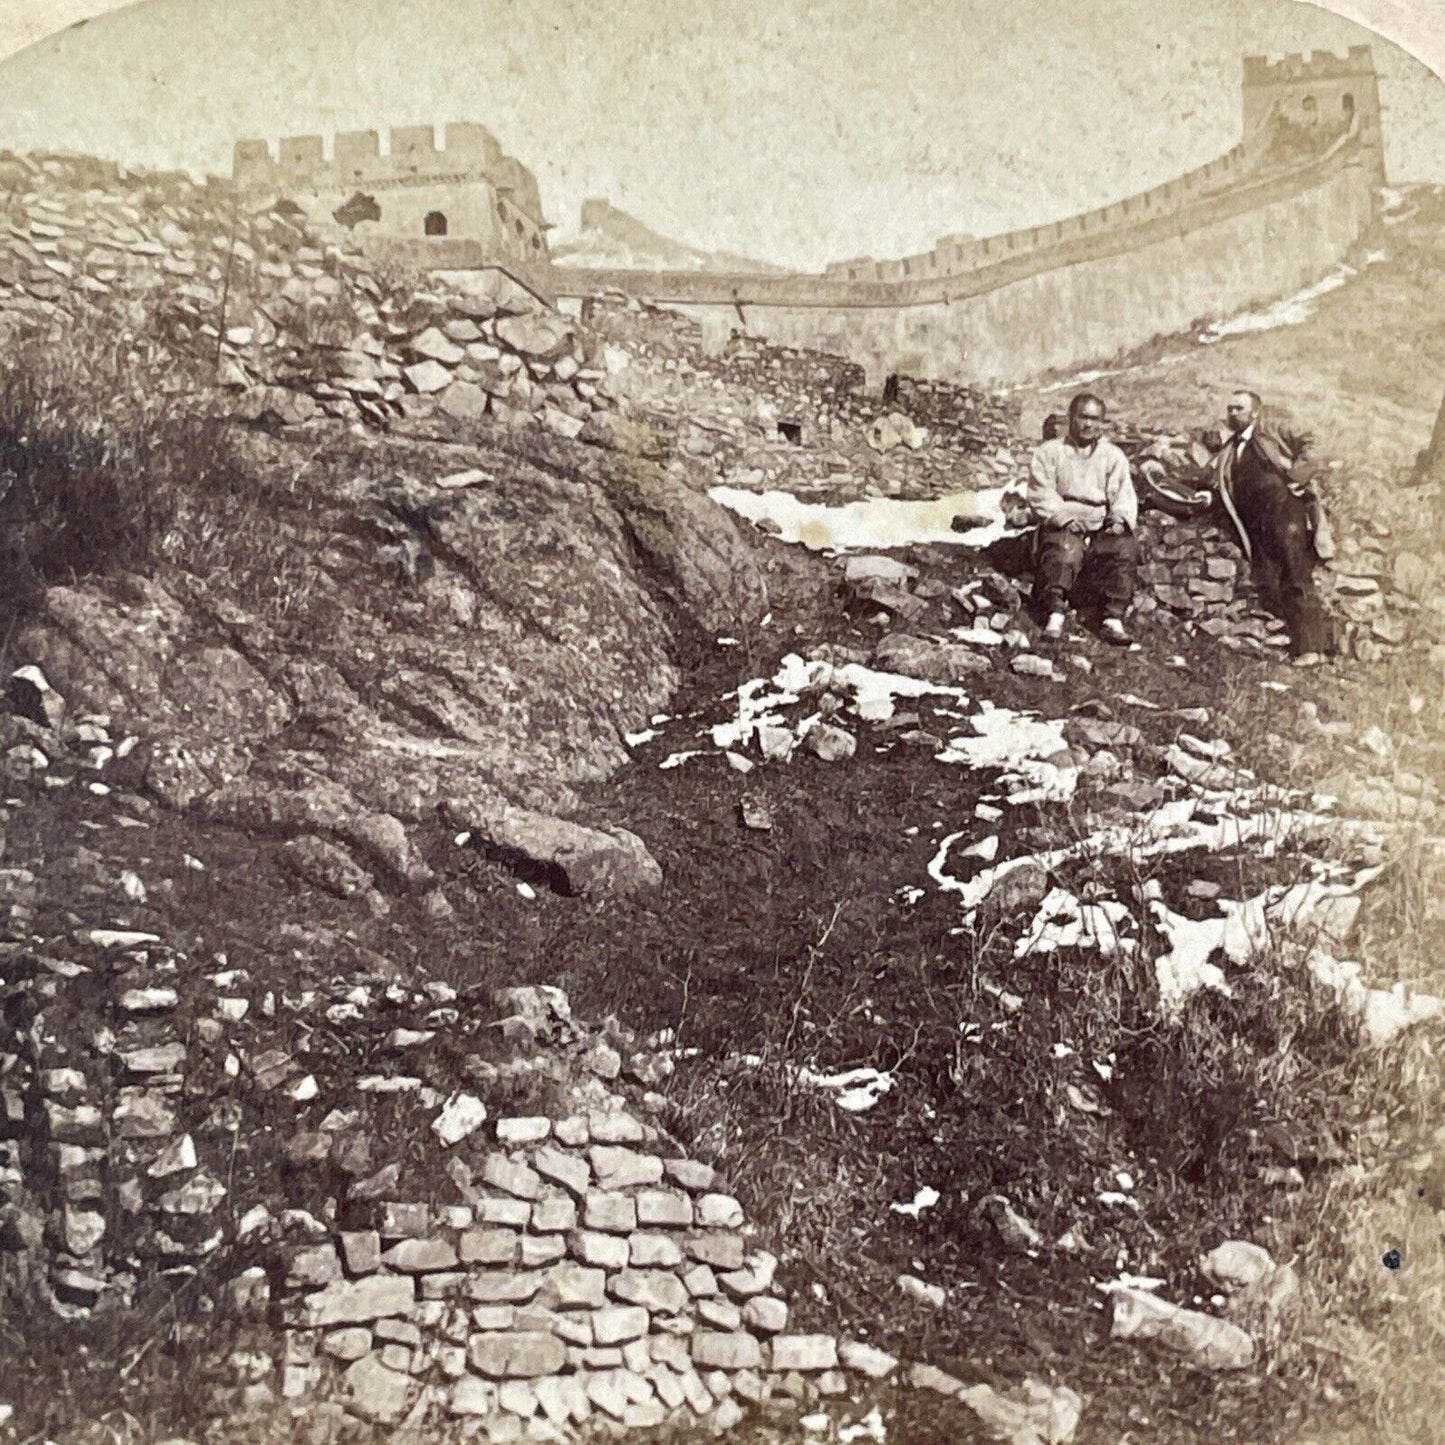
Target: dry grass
114,461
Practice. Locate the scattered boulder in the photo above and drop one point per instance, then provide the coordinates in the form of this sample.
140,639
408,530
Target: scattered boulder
927,658
1207,1342
831,744
584,861
31,696
327,866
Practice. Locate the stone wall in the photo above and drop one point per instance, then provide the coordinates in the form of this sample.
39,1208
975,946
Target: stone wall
760,414
1084,299
467,187
261,307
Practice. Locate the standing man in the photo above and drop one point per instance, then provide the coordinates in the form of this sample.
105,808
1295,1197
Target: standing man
1281,526
1082,497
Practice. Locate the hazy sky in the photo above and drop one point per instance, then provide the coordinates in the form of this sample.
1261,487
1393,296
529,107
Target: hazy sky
800,131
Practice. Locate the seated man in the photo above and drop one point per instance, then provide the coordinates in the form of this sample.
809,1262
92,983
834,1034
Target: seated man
1082,498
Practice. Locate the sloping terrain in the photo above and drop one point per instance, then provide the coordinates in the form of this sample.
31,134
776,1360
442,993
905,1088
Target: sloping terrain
499,948
608,236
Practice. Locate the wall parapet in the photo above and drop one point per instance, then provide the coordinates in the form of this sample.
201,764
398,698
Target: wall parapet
468,152
830,291
1312,65
956,256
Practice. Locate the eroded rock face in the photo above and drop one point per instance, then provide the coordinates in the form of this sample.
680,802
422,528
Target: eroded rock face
499,669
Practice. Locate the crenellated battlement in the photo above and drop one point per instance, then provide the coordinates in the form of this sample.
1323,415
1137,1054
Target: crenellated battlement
1317,94
1310,66
404,186
352,160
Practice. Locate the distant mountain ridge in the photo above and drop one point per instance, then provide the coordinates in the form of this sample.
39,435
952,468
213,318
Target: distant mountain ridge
610,237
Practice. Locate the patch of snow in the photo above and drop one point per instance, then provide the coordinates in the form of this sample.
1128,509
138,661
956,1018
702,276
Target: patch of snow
978,636
1186,969
926,1198
1384,1013
859,1089
676,760
870,1427
872,694
636,740
874,524
1130,1281
1021,744
1291,311
1064,922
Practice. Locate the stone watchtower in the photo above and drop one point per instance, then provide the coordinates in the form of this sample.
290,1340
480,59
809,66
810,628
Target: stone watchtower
1319,91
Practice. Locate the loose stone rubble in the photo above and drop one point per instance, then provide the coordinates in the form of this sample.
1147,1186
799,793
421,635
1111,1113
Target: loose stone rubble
585,1275
296,329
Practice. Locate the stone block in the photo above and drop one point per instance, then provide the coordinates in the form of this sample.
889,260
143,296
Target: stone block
574,1286
615,1128
420,1256
606,1251
347,1344
473,1397
609,1212
488,1246
690,1174
512,1177
503,1286
404,1221
398,1332
698,1394
805,1352
503,1213
721,1314
671,1350
655,1289
311,1266
540,1249
530,1129
701,1282
355,1302
618,1168
516,1354
722,1250
664,1208
568,1170
518,1398
362,1251
754,1277
554,1215
653,1251
766,1314
865,1359
726,1350
616,1324
376,1392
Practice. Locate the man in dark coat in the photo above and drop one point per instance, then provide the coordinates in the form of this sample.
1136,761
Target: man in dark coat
1279,524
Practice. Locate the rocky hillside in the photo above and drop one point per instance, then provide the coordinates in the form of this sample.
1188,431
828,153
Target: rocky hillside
608,236
963,1037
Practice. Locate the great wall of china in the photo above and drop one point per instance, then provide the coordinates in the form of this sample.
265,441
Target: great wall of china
1272,215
